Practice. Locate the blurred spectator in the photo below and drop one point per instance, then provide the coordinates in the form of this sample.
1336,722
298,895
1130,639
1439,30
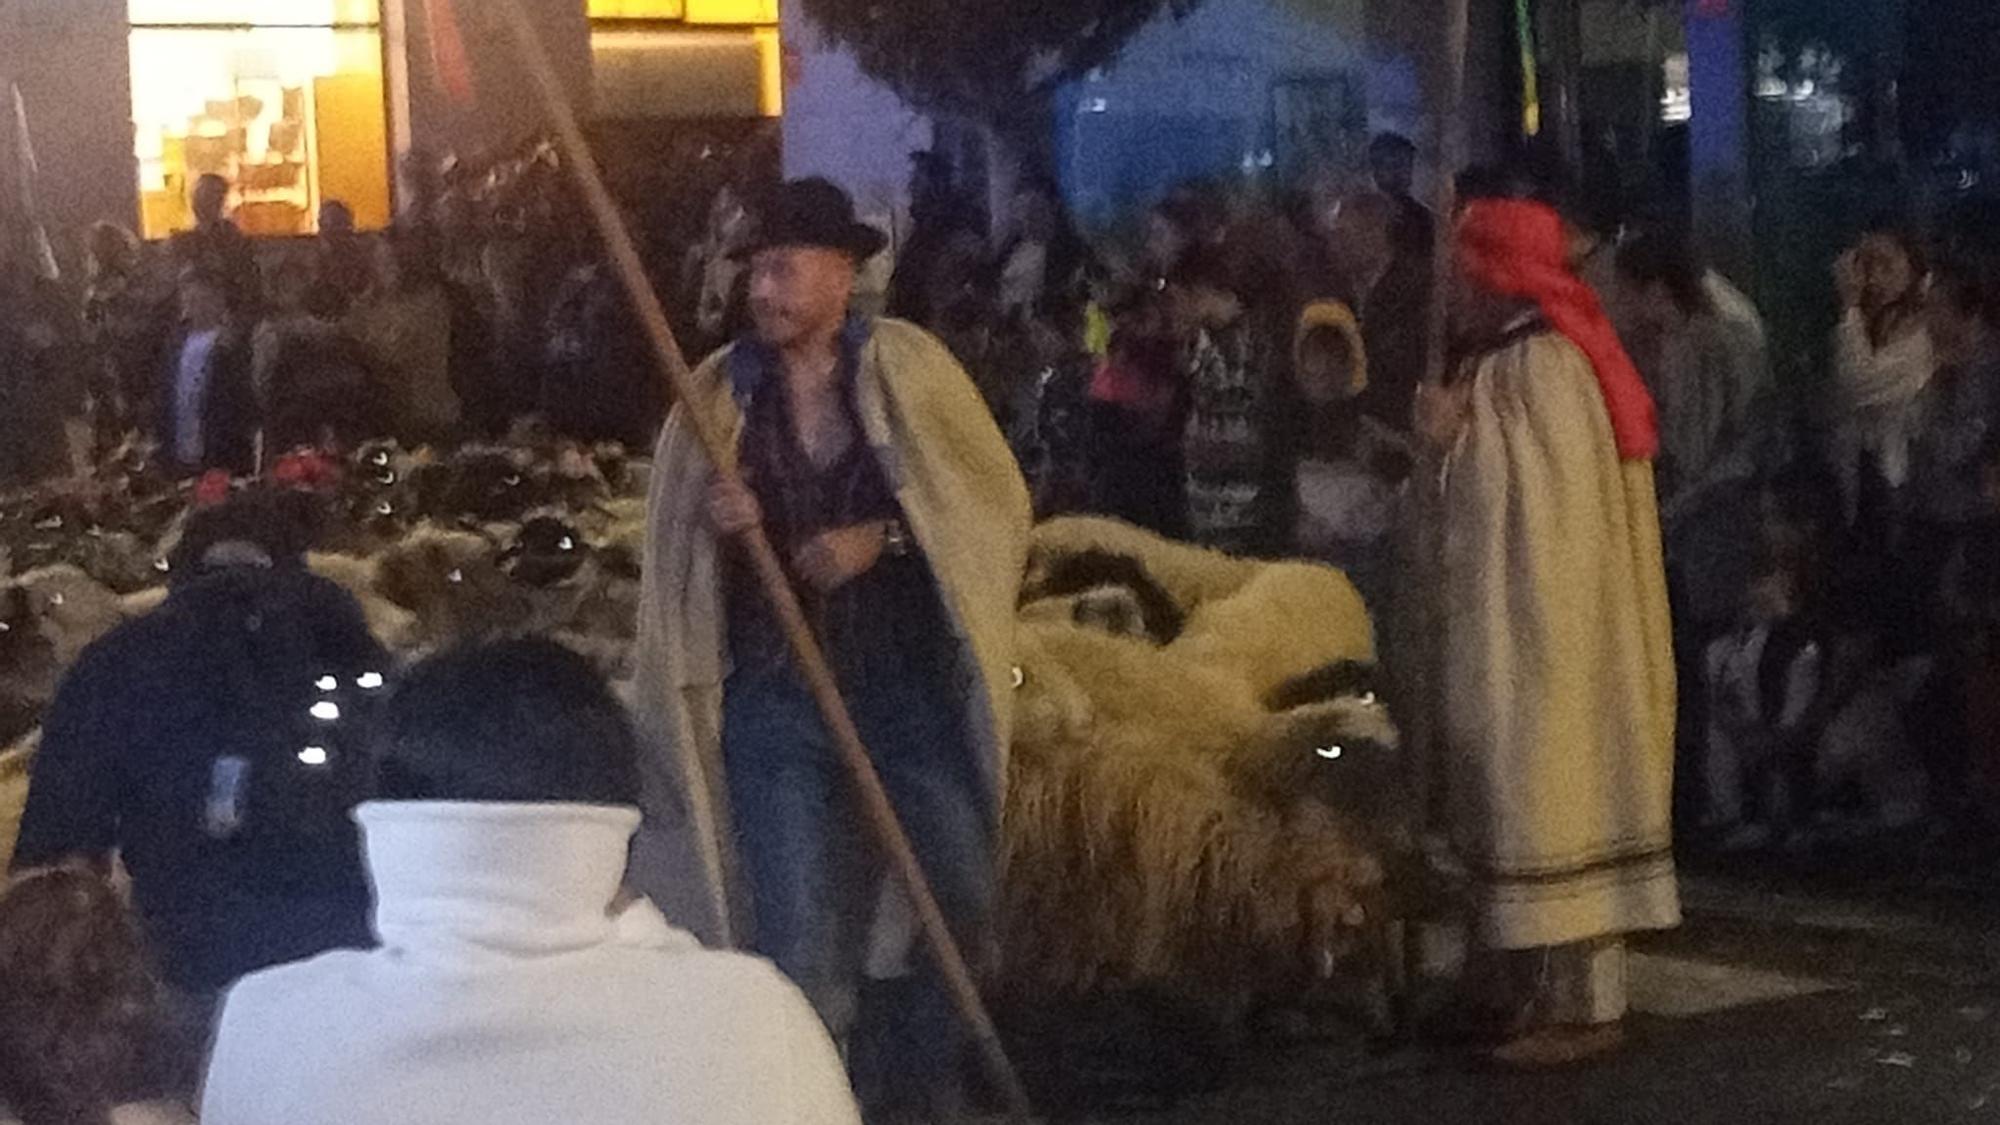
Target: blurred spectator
1955,414
1764,687
343,264
208,402
1392,162
85,1035
404,328
127,321
1392,288
215,745
936,262
515,982
315,384
1948,505
1969,604
1138,405
600,380
1041,262
1231,372
1348,470
1882,360
715,276
42,375
217,247
1703,354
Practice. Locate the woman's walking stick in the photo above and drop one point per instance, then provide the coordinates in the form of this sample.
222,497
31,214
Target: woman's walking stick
881,817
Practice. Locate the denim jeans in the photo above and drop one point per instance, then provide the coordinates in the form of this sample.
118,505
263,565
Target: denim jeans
812,867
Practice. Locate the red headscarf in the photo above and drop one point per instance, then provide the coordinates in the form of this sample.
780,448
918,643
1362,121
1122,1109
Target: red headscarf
1518,249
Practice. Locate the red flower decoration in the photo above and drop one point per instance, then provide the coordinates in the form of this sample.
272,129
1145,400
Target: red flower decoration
211,489
306,469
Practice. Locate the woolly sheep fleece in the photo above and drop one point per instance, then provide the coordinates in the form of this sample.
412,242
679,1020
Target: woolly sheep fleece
1155,832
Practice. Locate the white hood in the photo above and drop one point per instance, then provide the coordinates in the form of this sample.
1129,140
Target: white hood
458,876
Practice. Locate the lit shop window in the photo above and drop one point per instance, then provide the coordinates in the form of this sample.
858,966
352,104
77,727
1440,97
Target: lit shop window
283,98
686,58
743,12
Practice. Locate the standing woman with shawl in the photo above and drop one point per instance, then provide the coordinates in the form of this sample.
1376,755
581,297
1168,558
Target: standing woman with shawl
1545,674
1882,361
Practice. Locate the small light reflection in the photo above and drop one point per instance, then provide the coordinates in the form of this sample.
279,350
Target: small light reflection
313,755
1329,752
326,710
326,683
368,681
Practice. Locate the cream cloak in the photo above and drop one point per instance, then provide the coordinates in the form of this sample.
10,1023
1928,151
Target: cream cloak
1545,688
967,508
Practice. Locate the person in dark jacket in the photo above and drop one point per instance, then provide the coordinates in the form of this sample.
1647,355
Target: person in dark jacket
218,247
217,746
208,399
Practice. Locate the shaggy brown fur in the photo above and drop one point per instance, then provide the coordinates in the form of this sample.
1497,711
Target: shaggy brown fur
1190,575
1164,825
452,582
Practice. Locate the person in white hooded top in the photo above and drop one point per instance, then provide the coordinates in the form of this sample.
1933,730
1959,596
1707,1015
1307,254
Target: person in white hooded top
514,982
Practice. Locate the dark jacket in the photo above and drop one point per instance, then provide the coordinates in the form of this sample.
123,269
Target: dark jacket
229,414
186,741
224,252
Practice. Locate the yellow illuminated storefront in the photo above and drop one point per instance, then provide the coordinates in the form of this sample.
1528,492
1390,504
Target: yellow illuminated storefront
295,102
703,58
283,98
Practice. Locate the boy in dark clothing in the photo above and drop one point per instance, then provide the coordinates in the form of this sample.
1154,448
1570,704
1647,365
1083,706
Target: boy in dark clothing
216,746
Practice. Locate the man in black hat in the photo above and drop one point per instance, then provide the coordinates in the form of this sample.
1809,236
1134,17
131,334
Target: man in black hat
878,474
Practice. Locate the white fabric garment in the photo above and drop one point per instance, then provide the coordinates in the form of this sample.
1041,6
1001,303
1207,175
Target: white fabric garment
1341,502
1537,656
1711,371
508,992
1879,391
1741,734
191,393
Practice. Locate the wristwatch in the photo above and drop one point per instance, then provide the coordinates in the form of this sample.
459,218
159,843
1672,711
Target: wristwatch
895,539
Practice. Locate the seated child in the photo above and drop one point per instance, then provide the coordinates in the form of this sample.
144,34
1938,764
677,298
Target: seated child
1763,681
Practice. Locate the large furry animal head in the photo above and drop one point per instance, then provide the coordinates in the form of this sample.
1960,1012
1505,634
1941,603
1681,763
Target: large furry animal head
452,582
1102,589
482,483
1203,791
1342,749
546,550
1190,575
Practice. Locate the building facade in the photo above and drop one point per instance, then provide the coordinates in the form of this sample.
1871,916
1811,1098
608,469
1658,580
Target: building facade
127,102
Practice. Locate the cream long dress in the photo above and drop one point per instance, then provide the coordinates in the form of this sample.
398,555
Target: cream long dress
1545,685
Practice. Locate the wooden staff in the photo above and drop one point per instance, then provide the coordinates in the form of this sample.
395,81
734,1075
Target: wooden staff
881,816
1444,194
1444,202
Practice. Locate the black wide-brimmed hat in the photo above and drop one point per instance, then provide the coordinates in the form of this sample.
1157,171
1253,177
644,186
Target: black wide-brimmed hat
812,212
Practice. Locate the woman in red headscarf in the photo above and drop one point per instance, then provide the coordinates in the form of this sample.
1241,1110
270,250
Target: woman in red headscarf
1543,665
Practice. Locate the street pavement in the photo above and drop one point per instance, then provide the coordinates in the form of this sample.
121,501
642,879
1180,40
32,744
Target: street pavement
1872,1001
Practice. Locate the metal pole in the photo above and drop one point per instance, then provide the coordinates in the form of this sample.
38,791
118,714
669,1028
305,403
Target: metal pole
812,665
